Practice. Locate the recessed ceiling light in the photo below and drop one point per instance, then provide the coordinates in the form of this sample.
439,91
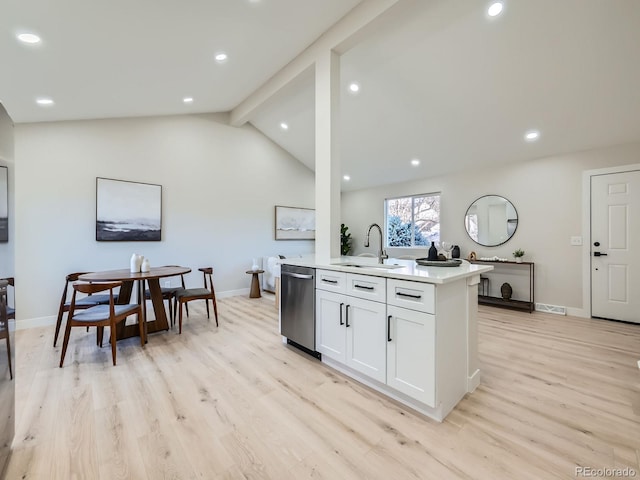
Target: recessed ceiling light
495,9
187,99
346,178
532,135
354,87
30,38
44,101
415,162
284,126
221,57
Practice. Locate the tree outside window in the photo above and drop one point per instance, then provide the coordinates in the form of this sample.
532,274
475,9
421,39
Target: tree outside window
413,221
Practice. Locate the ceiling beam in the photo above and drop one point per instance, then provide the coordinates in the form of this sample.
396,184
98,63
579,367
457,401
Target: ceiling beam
339,38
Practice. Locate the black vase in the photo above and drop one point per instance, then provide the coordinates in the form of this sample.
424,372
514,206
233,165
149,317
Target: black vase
455,252
433,252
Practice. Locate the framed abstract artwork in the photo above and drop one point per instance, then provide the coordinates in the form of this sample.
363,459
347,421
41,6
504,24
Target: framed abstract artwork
128,211
295,223
4,204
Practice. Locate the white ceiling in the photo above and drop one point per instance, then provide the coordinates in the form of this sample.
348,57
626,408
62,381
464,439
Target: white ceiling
440,81
124,58
443,83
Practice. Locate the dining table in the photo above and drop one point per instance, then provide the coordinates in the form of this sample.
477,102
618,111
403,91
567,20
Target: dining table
128,279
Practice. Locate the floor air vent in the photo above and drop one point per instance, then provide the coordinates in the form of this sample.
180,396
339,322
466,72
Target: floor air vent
558,310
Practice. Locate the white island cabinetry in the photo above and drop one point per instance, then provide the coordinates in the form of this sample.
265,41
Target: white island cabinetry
405,330
411,348
351,329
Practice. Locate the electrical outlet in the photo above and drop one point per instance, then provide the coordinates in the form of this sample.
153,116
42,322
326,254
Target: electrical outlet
576,241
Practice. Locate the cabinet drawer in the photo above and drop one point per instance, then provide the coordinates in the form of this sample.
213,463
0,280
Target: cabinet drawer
331,281
414,295
367,287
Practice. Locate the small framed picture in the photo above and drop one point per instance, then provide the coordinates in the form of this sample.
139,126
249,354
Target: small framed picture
294,223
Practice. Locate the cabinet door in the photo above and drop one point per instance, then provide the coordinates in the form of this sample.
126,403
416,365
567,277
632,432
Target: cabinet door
411,353
330,325
365,322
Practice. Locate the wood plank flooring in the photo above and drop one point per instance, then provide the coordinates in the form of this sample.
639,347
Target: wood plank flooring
234,402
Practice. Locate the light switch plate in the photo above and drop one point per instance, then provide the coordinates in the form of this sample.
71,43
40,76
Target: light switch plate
576,241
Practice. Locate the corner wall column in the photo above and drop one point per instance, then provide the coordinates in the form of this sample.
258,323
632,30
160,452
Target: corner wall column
327,156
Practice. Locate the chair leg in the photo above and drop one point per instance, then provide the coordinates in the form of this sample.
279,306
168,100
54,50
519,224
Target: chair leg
215,309
143,337
100,335
180,320
170,310
206,302
112,334
65,342
58,324
186,307
9,355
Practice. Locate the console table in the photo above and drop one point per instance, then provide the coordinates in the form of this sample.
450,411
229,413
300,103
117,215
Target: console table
513,304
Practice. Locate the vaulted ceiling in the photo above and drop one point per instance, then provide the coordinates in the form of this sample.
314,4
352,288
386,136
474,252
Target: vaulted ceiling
440,81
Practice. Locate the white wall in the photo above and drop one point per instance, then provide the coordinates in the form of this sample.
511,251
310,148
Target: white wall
547,194
6,160
219,188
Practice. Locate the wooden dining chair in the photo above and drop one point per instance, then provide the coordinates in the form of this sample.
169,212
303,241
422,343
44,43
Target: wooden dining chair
105,315
4,322
207,293
11,311
81,303
169,293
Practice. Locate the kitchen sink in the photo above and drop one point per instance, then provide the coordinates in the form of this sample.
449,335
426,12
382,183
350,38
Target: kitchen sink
374,265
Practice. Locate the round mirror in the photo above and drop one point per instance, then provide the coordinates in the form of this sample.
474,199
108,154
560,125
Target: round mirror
491,220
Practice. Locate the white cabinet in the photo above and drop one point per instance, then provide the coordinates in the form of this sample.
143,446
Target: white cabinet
331,339
411,353
365,327
352,330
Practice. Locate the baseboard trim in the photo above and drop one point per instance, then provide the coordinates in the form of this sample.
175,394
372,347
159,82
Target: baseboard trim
50,320
473,381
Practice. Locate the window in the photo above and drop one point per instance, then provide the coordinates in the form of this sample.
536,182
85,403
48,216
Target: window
413,221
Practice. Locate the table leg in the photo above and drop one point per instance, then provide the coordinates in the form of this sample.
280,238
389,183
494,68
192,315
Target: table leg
124,297
160,323
255,286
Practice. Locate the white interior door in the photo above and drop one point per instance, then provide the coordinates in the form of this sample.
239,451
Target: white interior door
615,246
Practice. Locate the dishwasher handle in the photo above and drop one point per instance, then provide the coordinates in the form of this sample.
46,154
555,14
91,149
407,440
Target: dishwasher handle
297,275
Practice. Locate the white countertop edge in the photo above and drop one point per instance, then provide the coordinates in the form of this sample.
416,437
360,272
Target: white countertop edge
410,270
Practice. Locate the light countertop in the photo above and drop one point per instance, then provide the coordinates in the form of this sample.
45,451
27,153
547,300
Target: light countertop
397,268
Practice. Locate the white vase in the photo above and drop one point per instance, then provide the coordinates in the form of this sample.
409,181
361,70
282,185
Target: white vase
518,259
135,263
145,266
255,266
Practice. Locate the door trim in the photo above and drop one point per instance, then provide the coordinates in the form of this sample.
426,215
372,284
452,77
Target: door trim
586,229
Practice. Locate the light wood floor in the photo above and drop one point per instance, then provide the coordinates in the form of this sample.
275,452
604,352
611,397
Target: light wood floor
234,402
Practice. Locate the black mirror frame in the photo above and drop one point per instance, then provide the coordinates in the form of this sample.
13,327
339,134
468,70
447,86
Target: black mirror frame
510,236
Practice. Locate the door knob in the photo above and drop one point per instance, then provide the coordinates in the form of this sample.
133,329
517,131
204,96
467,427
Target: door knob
598,254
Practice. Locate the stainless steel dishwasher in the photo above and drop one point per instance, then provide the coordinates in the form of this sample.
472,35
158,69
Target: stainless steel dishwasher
298,307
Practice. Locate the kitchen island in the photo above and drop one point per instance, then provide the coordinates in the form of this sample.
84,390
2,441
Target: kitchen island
406,330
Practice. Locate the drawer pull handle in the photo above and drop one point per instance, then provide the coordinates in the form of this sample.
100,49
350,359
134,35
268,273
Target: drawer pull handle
330,281
364,287
341,322
417,297
346,309
389,328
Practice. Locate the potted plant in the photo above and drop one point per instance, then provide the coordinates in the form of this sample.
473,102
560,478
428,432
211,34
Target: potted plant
345,240
518,254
